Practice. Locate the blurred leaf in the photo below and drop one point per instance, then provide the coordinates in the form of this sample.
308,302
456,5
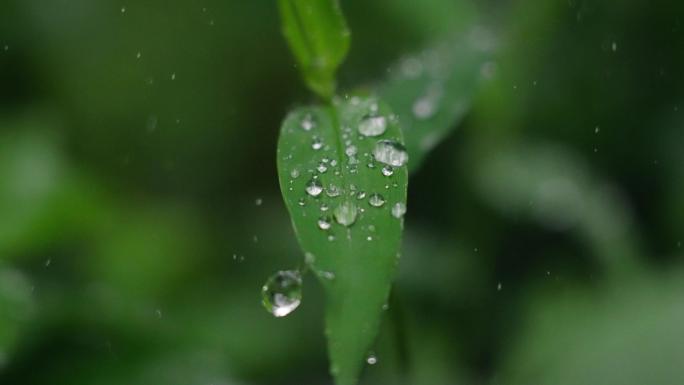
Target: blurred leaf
16,308
553,186
319,39
630,333
432,91
334,185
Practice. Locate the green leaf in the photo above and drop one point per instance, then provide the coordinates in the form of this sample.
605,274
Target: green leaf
319,39
355,263
432,91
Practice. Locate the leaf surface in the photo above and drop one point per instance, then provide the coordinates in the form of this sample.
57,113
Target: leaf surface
328,171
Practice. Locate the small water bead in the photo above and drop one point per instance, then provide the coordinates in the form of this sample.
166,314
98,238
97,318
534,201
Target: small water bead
314,188
324,223
333,163
309,258
345,214
329,275
258,201
308,122
322,168
361,195
411,67
333,191
398,210
387,171
282,293
317,143
301,202
372,359
376,200
324,207
350,150
391,153
373,125
424,107
294,173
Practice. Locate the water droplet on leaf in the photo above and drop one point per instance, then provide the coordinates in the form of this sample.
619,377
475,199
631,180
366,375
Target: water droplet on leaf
345,213
314,188
398,210
373,126
391,153
324,223
376,200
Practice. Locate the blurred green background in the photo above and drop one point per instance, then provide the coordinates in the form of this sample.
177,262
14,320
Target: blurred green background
544,236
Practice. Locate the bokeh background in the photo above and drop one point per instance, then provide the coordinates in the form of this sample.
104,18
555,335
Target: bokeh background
544,236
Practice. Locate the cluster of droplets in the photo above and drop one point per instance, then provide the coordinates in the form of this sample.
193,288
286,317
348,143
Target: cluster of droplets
386,155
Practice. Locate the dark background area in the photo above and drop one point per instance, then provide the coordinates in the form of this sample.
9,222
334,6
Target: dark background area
543,240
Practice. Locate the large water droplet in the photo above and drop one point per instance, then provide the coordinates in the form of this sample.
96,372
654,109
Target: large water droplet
398,210
373,125
376,200
345,214
391,153
282,293
314,188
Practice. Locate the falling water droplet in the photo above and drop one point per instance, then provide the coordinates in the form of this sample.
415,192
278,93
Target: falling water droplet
376,200
387,171
373,125
345,213
314,188
282,293
398,210
391,153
